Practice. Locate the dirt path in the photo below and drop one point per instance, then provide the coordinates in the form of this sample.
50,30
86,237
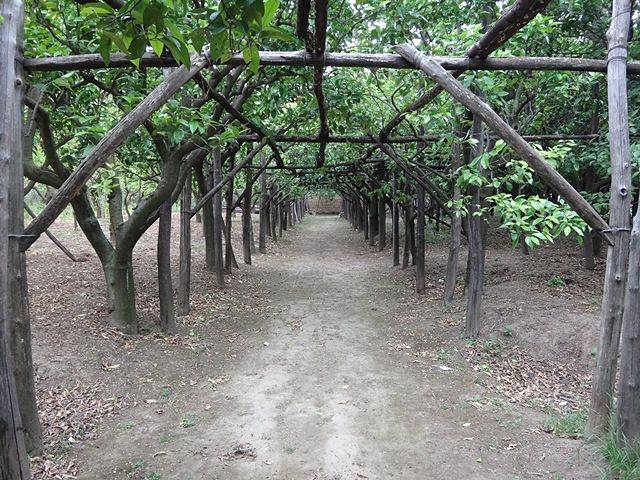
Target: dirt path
323,391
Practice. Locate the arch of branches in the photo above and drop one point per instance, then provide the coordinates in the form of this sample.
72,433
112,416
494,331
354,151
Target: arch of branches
214,166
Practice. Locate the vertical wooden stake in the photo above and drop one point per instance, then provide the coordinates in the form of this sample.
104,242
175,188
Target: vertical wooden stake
619,219
217,219
184,284
419,256
13,457
395,222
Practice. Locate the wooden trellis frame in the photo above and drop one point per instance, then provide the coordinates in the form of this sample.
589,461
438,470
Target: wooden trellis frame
12,457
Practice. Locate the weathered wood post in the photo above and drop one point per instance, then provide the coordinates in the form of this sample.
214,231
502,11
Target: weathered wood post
264,218
165,286
456,224
14,463
246,218
613,298
419,255
184,282
395,222
217,219
476,256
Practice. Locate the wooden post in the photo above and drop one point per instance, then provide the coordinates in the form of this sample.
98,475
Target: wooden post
395,221
476,256
408,223
229,258
419,256
264,218
456,227
217,219
246,219
13,458
382,222
184,284
619,215
373,220
167,313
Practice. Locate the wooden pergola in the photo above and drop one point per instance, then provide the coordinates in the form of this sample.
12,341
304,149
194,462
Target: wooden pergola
444,71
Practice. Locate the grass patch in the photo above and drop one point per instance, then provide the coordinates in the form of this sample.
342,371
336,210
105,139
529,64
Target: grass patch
188,420
569,425
556,281
621,462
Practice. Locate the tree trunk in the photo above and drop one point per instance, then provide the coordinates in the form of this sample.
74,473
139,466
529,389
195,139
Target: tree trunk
207,220
115,209
395,222
165,286
456,226
382,222
217,219
264,217
119,272
246,220
365,218
419,255
184,284
373,221
619,218
229,258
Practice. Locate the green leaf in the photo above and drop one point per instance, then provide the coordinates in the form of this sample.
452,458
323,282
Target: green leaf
251,56
198,39
270,9
152,16
157,46
117,39
104,47
97,8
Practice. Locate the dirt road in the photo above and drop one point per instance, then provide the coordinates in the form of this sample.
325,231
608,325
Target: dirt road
329,387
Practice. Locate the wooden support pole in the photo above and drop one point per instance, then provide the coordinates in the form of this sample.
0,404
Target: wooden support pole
14,463
246,220
476,255
419,255
217,219
264,217
184,283
165,284
613,297
542,168
456,225
395,222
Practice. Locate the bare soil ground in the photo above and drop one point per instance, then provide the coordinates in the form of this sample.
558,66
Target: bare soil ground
317,362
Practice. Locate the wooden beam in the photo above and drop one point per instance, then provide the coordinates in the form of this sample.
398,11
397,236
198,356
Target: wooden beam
514,18
93,61
110,142
372,140
503,130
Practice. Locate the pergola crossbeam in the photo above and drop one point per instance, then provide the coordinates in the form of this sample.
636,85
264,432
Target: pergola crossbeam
93,61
